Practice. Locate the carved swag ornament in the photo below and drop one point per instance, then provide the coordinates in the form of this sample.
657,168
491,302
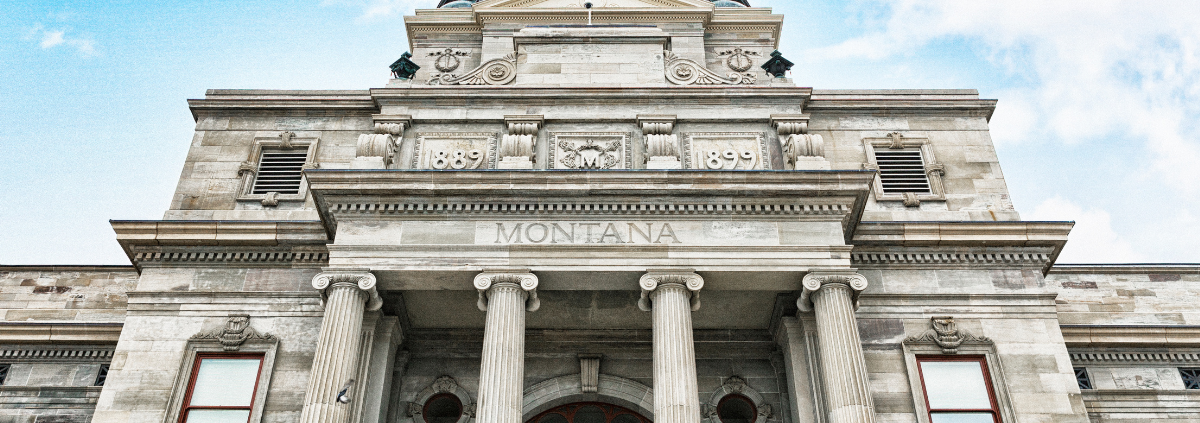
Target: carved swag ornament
945,333
236,332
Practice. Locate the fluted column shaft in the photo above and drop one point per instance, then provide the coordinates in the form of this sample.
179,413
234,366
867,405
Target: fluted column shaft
347,296
505,298
671,299
843,366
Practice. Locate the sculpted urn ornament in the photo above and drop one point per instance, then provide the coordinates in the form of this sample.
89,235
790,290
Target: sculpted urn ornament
236,332
945,333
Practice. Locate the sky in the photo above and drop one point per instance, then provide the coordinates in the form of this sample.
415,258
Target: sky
1097,123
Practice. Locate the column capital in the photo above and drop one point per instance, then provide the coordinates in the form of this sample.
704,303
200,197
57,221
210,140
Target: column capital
363,279
523,278
819,279
658,277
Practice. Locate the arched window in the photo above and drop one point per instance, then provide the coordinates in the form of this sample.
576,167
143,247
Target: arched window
589,412
443,408
737,409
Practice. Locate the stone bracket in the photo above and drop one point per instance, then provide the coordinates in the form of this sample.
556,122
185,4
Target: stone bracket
363,278
819,278
589,373
518,148
521,277
655,277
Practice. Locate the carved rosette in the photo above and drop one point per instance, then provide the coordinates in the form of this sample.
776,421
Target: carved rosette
945,333
815,281
527,281
682,71
652,280
501,71
364,280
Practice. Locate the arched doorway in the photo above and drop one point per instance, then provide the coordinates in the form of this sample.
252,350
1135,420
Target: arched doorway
589,412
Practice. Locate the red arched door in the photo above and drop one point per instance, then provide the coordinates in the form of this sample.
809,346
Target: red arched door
589,412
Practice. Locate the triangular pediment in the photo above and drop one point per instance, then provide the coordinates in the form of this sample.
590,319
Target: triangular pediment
598,4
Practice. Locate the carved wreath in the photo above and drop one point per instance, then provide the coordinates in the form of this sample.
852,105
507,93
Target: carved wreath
589,155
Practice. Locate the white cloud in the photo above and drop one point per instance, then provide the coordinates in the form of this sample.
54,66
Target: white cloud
1100,71
1093,239
54,38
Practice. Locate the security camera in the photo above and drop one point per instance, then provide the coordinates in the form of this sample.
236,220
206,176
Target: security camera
587,5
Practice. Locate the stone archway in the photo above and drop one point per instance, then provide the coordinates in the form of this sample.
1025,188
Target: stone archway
564,390
589,412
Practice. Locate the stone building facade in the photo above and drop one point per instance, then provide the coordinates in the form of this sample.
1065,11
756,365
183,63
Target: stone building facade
619,213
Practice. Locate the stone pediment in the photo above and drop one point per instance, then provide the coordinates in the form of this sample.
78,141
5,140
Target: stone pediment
574,4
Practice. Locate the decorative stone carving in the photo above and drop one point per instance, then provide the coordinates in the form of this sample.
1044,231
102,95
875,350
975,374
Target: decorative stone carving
236,332
662,147
590,150
364,279
651,280
725,151
682,71
447,60
502,71
945,333
589,373
739,60
527,281
453,150
801,150
736,386
814,281
442,385
518,146
374,151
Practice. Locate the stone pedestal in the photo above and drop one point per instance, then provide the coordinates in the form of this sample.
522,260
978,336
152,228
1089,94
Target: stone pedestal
505,296
833,297
347,295
671,297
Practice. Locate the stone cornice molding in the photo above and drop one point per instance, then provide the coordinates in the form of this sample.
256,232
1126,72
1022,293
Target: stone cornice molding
253,243
1038,257
528,282
654,278
362,279
944,332
55,354
818,279
61,332
1041,237
1133,357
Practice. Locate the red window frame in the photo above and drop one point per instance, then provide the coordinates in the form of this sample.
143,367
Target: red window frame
987,381
187,399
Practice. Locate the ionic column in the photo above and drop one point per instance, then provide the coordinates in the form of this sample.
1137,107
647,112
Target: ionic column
505,296
346,294
833,296
671,297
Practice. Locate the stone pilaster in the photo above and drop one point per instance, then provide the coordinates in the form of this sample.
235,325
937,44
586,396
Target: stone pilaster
505,296
833,297
671,297
347,295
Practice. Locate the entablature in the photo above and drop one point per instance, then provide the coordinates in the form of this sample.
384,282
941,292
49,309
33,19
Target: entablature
215,243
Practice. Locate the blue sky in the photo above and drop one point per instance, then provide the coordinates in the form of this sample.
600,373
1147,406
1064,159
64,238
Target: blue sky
1097,122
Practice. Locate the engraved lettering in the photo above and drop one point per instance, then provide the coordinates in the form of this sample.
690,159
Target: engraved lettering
589,227
511,238
555,229
540,238
667,231
611,231
644,235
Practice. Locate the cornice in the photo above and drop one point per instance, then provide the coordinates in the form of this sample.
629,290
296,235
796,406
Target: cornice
1079,336
184,242
1126,268
838,195
508,95
216,100
1048,237
60,332
975,258
68,268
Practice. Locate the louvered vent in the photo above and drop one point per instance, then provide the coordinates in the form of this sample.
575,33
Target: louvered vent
279,171
902,171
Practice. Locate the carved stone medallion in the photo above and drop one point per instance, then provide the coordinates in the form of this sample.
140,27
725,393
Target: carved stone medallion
725,151
739,60
590,150
454,150
447,60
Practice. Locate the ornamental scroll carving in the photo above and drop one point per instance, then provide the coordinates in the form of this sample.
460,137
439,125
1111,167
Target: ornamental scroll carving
236,332
815,281
651,281
528,282
502,71
801,150
682,71
662,146
361,279
945,333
